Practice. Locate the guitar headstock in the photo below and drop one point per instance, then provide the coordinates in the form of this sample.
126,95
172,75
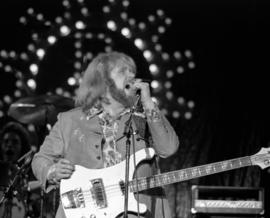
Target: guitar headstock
262,158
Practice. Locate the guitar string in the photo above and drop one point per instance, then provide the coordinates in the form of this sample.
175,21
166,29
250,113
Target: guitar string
110,190
220,166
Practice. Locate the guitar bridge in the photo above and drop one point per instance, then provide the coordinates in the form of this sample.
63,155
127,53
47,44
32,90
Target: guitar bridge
73,199
98,193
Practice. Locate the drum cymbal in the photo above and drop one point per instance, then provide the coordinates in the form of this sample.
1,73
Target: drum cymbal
39,110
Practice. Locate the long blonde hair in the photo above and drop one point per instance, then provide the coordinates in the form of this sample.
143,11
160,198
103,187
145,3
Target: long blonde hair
96,78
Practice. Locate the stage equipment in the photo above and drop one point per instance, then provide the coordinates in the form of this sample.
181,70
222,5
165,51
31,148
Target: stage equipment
219,201
39,110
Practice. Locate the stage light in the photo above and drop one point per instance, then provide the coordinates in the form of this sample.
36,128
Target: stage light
177,55
155,84
188,53
148,55
160,12
80,25
64,30
142,25
151,18
153,69
23,56
32,84
31,128
34,69
78,54
84,11
3,54
108,48
154,38
180,70
101,36
78,44
161,29
126,32
188,115
164,111
106,9
176,114
30,11
17,94
139,43
31,47
167,84
22,20
1,113
89,36
168,21
78,35
125,3
59,20
191,104
169,74
19,84
169,95
158,47
124,15
108,40
40,17
59,91
191,65
40,53
165,56
8,68
51,39
181,100
7,99
77,65
132,21
71,81
111,25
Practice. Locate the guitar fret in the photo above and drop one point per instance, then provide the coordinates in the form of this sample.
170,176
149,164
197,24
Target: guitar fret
193,172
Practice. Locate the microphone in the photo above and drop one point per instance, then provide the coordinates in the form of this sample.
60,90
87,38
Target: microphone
138,91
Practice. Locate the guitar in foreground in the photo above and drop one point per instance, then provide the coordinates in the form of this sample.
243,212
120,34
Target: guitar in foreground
99,193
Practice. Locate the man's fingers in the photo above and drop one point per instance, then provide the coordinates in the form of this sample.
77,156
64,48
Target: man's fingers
67,166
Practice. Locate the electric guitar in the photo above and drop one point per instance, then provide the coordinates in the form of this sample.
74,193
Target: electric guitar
99,193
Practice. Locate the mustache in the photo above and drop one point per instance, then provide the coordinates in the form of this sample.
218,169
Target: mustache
130,84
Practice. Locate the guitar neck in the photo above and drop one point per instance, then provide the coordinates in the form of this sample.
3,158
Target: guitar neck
187,174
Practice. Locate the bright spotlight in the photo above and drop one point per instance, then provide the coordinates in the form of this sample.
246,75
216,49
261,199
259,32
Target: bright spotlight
40,53
64,30
32,83
153,69
34,69
126,32
80,25
139,43
51,39
111,25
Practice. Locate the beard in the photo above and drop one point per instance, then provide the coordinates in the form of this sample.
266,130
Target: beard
121,96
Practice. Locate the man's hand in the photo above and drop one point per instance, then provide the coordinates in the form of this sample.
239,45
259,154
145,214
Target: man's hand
145,93
63,169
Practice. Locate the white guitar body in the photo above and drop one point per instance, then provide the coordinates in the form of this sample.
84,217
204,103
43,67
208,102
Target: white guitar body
97,193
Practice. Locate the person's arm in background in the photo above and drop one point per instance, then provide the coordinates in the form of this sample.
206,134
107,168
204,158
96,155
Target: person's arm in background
48,164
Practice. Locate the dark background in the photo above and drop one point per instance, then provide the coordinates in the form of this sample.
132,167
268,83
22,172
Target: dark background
229,85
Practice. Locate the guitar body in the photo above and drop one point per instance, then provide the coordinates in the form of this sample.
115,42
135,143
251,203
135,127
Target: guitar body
98,193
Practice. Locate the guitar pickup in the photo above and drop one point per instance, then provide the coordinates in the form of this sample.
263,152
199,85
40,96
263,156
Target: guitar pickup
98,193
73,199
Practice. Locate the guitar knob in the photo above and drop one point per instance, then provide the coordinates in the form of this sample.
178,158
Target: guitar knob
92,216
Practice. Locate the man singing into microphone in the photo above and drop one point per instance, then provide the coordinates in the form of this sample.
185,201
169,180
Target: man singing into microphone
91,135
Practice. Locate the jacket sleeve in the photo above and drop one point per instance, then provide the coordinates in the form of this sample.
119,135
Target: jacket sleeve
50,152
165,140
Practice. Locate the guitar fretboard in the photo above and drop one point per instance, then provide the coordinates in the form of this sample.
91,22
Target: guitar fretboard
189,173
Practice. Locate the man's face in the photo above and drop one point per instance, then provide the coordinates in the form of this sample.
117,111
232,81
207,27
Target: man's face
121,77
11,146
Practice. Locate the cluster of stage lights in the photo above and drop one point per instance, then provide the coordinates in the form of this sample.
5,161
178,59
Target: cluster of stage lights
144,36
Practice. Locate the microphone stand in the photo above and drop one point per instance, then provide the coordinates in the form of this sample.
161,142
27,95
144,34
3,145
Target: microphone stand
128,132
8,194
